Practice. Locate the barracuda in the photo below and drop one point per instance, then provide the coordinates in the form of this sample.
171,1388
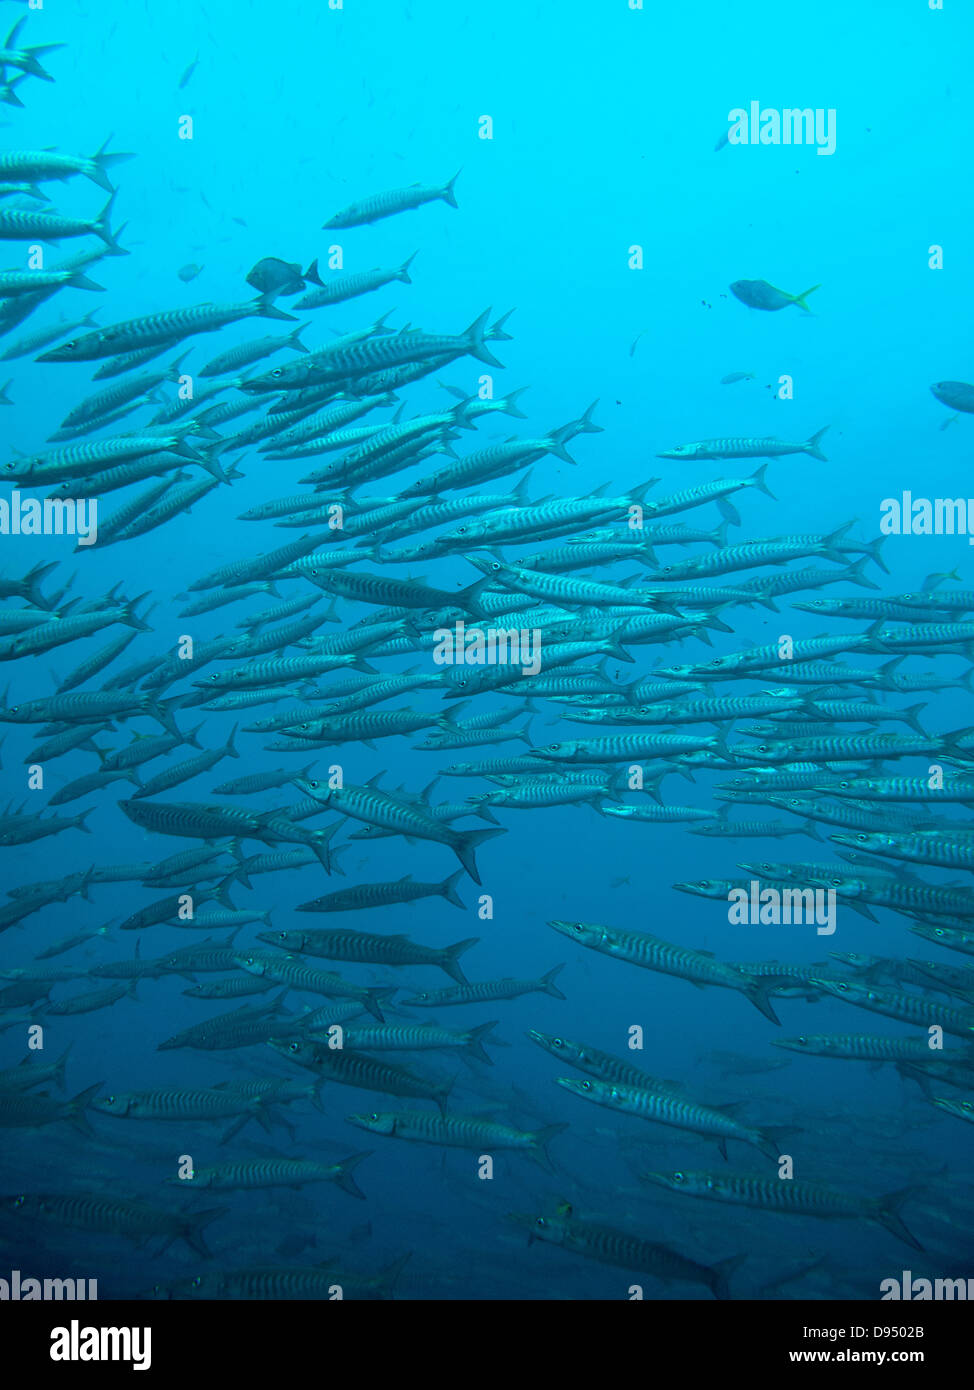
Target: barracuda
666,1108
363,1071
794,1197
609,1246
908,1008
152,330
650,952
375,807
460,1132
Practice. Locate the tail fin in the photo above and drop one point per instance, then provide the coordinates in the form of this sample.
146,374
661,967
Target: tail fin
465,845
192,1232
103,229
265,308
539,1145
758,993
757,480
911,715
343,1177
812,445
721,1271
448,890
856,574
888,1215
799,299
448,196
475,1044
547,981
476,345
403,272
75,1110
449,962
103,161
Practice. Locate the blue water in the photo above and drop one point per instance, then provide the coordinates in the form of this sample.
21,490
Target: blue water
604,126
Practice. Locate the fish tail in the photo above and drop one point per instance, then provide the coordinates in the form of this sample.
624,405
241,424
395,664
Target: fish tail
721,1272
465,845
103,161
799,299
344,1178
548,981
475,1044
403,272
103,229
192,1232
449,960
888,1214
448,890
476,344
447,194
758,991
539,1145
79,1105
265,308
812,445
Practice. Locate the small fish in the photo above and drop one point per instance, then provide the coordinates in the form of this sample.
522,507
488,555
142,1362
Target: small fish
189,272
188,72
731,377
273,276
758,294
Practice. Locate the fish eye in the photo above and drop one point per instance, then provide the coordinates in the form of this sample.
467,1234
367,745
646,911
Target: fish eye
277,372
19,1201
294,1047
679,1177
557,1042
198,1281
374,1115
541,1223
586,1086
803,1040
495,566
312,784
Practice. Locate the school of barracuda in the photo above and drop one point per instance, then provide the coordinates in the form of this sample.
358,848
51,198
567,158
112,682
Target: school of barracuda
323,642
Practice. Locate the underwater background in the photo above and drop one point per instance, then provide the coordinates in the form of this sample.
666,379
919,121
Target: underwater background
604,121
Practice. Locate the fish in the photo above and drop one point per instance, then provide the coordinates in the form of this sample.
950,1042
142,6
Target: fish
758,294
381,205
746,448
271,276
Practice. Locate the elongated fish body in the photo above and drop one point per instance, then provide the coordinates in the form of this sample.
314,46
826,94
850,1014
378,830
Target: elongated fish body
102,1215
283,1284
379,205
665,1107
255,1174
378,808
795,1197
335,943
745,448
362,1070
458,1132
613,1247
483,992
151,330
908,1008
652,953
342,287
